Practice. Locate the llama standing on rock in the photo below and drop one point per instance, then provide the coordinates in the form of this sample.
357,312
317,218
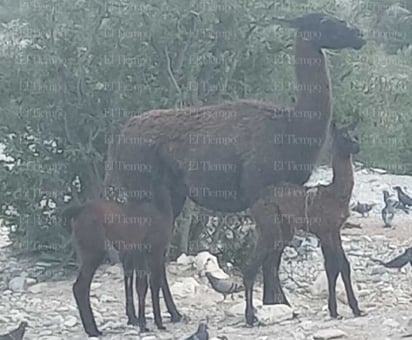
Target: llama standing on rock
181,152
321,210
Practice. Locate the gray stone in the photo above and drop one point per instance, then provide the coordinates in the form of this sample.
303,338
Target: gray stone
18,284
70,321
331,333
272,314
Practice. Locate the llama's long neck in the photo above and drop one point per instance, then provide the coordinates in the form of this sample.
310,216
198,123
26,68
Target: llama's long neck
343,179
314,90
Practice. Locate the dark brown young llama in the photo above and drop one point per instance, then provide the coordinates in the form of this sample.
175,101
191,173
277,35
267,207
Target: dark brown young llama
187,152
141,234
321,210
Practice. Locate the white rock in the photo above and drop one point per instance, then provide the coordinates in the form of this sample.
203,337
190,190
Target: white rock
272,314
391,323
185,260
320,287
71,321
332,333
18,284
38,288
238,310
185,287
30,281
206,262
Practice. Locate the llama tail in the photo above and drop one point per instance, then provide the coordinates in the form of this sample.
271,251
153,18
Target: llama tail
68,214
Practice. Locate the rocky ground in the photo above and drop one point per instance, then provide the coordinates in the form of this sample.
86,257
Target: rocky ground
386,295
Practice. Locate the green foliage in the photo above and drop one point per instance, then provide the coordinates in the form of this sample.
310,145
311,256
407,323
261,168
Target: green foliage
86,66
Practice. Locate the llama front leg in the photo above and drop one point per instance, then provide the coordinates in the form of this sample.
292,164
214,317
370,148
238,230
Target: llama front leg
81,291
332,271
128,270
167,295
156,281
345,271
141,288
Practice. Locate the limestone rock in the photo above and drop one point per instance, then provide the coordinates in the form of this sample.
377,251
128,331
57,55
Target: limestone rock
185,260
320,287
238,310
18,284
206,262
272,314
331,333
184,287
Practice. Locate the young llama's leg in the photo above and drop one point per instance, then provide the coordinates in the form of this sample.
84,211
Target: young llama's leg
127,259
332,270
81,288
156,259
141,289
344,267
90,247
167,295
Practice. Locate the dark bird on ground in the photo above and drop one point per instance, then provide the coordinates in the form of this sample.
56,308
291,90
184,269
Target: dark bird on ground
400,261
363,208
391,205
403,197
224,286
17,334
201,333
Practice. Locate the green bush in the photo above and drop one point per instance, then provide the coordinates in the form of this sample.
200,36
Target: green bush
86,66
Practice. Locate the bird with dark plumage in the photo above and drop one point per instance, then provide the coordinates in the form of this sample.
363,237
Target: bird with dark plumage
399,261
201,333
17,334
224,286
391,205
403,197
363,208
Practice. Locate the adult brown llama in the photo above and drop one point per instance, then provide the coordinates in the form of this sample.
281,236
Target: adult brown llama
141,234
223,156
321,210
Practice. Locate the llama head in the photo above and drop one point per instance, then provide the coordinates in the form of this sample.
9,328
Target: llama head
326,31
344,140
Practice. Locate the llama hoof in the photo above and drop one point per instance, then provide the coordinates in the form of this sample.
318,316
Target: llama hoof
251,319
337,317
176,318
360,313
143,329
161,327
133,321
95,334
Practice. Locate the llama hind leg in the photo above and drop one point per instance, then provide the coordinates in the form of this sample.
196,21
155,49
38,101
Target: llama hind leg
81,290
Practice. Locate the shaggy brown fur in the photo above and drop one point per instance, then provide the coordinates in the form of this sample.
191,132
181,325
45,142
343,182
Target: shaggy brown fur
140,233
321,210
176,152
